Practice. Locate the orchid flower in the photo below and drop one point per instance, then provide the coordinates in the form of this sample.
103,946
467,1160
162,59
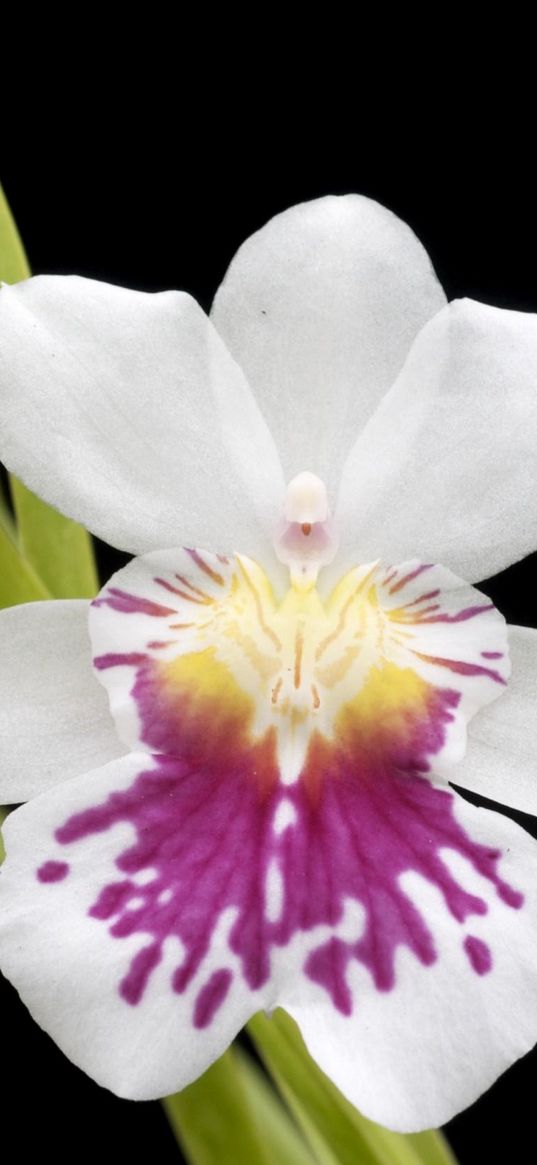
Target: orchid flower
274,714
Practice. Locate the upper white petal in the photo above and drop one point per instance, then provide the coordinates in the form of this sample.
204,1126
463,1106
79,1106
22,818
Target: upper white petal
446,469
320,308
125,411
501,757
54,718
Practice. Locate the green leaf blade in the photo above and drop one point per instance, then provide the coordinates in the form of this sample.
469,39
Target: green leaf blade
336,1131
58,551
231,1116
19,582
4,810
14,265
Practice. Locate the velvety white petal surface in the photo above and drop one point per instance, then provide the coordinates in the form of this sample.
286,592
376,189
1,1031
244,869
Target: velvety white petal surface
93,904
319,308
68,967
412,1057
54,717
125,410
501,757
446,468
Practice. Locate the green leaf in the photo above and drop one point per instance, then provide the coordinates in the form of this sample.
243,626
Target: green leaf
232,1116
13,262
7,521
57,550
4,810
19,582
432,1148
337,1132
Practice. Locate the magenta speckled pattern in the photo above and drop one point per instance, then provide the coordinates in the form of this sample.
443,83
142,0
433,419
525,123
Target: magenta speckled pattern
219,833
208,837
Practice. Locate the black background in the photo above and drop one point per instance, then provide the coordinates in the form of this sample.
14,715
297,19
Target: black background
172,216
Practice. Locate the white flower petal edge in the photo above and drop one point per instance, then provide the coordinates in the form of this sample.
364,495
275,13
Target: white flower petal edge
500,760
167,897
139,1052
54,717
413,1057
320,308
445,469
126,411
397,1056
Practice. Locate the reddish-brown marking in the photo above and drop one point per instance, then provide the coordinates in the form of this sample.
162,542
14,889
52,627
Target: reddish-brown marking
299,648
398,586
162,582
204,566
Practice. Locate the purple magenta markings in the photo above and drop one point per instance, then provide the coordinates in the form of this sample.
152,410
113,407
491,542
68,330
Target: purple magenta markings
53,871
478,954
402,582
460,667
206,831
211,997
204,815
128,604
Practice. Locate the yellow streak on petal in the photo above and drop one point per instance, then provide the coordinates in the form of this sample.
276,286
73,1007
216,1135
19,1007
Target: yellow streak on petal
389,698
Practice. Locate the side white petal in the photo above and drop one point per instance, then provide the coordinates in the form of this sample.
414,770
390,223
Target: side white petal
319,308
501,758
446,468
413,1056
54,717
125,411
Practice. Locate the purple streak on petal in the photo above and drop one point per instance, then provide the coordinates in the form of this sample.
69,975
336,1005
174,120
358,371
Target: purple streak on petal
119,658
113,898
416,616
492,654
211,997
421,599
328,964
398,586
134,984
203,824
206,567
461,667
183,594
53,871
478,954
460,617
128,604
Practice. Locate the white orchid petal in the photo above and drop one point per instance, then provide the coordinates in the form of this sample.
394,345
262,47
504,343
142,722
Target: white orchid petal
319,308
54,718
412,1056
446,468
501,759
139,909
125,410
282,833
104,994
